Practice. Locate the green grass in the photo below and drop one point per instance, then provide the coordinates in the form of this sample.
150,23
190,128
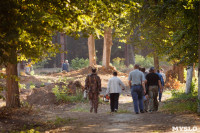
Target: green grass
79,109
181,103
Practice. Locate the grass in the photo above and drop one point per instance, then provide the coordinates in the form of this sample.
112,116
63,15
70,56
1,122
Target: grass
79,109
62,95
181,103
59,121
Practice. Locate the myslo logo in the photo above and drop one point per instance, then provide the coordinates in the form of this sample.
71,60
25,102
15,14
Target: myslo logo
184,128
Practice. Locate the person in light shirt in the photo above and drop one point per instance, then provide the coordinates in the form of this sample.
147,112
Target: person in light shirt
114,89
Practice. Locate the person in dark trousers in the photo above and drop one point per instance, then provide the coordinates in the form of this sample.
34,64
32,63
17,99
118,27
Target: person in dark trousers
137,84
114,89
65,66
93,86
162,83
153,82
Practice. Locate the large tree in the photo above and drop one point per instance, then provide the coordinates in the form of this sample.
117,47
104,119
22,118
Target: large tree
26,30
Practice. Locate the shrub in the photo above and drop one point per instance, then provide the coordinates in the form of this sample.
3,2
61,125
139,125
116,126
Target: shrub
144,62
174,83
119,63
64,95
79,63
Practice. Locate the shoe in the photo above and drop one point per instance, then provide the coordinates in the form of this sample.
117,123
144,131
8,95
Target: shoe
137,113
91,110
115,111
141,111
95,111
146,110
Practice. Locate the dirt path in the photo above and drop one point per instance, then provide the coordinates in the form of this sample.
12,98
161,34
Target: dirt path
123,121
75,118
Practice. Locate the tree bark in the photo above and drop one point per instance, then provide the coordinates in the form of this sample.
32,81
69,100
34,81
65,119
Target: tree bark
189,79
12,93
127,55
107,47
132,53
92,51
198,108
156,61
62,42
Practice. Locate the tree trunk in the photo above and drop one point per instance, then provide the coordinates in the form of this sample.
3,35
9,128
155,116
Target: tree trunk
181,73
132,53
12,93
107,47
189,79
62,42
198,108
156,61
193,73
127,55
92,51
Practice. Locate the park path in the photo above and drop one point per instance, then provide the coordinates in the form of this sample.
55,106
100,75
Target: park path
125,120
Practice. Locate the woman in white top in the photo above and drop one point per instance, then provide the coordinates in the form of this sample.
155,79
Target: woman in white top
114,89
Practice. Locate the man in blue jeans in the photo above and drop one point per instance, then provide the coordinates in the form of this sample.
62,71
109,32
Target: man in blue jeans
162,83
137,84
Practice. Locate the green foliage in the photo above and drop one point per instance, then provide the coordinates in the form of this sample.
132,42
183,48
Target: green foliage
79,63
22,86
181,102
65,95
32,86
30,131
59,121
40,64
42,85
119,63
144,62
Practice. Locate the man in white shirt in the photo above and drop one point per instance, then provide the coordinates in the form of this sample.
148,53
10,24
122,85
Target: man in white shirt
114,89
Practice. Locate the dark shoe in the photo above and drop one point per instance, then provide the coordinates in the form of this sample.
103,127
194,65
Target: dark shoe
91,110
95,111
141,111
150,111
137,113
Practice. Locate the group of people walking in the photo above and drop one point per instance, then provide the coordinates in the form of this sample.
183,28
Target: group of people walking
145,88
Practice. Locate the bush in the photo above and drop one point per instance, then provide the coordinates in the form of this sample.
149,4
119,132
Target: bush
64,95
119,63
79,63
180,102
144,62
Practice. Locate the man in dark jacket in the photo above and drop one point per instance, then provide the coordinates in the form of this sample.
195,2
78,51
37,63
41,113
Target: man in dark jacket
93,86
153,82
65,66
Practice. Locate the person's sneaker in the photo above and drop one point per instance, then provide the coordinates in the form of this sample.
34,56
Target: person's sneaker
137,113
115,111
